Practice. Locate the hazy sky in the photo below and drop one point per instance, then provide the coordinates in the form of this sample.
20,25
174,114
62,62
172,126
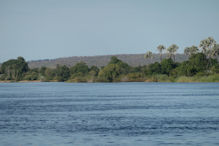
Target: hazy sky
41,29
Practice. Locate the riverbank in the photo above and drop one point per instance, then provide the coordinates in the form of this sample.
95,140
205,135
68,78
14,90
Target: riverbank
155,78
198,68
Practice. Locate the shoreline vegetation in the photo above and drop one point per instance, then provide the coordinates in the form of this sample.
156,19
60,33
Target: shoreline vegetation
181,79
202,66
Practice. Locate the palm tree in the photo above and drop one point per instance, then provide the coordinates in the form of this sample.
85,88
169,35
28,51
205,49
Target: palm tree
206,45
189,51
148,55
160,48
209,48
172,50
215,51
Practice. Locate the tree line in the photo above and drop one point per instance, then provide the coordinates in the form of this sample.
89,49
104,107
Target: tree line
202,65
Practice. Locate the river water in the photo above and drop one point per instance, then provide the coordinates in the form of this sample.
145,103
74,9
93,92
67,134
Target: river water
111,114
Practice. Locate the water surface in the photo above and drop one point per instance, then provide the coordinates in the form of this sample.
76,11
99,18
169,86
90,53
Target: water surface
99,114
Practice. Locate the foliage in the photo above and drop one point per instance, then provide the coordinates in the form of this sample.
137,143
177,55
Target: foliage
206,78
124,67
134,77
80,68
148,55
94,71
161,48
215,69
167,65
196,63
189,51
114,60
200,66
32,74
206,45
113,70
62,73
49,74
172,50
14,69
186,69
199,62
154,68
109,73
42,70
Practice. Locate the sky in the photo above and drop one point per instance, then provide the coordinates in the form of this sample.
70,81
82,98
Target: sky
48,29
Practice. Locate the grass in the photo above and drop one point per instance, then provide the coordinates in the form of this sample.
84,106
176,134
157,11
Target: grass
209,78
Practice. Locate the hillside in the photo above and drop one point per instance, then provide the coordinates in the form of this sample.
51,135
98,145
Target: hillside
131,59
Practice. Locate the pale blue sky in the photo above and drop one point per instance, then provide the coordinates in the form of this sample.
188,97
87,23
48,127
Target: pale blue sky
47,29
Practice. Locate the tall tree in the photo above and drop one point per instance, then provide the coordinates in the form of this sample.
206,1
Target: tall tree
207,45
113,70
14,69
148,55
161,48
62,73
215,51
189,51
172,50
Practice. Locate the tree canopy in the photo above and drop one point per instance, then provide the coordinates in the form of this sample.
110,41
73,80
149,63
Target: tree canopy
14,69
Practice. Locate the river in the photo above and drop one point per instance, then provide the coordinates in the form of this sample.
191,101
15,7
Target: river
109,114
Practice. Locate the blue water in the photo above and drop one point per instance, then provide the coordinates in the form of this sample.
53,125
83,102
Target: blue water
99,114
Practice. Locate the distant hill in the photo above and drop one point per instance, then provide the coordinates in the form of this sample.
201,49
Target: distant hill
131,59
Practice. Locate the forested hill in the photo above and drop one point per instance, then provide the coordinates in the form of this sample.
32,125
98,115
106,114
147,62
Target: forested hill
131,59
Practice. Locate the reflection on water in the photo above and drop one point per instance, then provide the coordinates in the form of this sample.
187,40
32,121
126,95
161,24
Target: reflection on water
109,114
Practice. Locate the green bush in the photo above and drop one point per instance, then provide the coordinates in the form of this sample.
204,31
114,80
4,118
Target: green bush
167,65
80,68
154,68
62,73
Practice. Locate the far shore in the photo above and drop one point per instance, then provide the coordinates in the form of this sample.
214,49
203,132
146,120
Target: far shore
180,81
23,81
